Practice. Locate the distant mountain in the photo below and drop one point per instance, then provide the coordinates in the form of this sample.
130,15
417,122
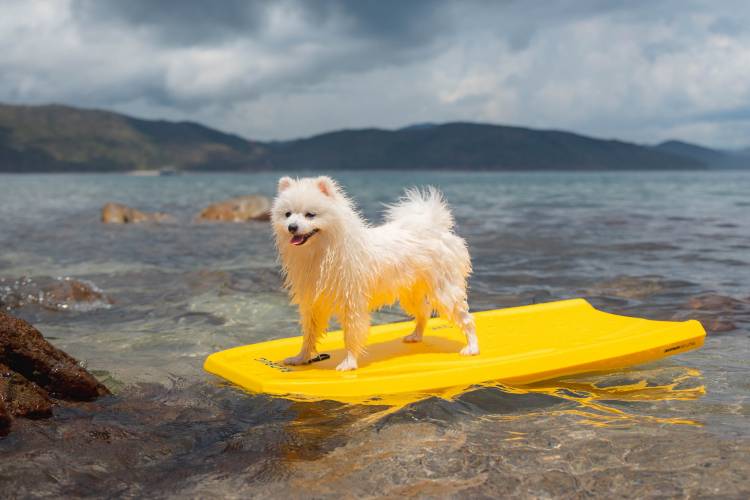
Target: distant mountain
418,126
65,139
470,146
706,155
61,138
714,158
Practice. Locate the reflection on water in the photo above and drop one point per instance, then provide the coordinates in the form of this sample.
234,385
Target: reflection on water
656,245
604,401
601,400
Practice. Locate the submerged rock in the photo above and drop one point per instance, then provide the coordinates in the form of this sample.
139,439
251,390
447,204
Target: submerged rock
631,287
718,326
116,213
717,312
715,302
240,209
58,294
67,293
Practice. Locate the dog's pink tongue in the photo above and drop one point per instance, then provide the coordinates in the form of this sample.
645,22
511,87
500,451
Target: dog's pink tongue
297,239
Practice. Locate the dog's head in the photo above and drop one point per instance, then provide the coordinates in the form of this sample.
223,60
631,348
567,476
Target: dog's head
305,208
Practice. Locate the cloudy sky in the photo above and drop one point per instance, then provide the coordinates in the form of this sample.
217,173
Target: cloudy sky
636,70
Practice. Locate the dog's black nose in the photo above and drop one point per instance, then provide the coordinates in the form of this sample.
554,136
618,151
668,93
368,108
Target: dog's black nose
292,228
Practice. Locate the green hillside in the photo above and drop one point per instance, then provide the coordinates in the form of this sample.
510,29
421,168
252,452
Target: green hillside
61,138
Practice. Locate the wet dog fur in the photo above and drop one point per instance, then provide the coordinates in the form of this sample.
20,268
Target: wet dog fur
336,264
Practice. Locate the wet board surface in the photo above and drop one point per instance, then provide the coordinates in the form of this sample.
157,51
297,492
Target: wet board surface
518,345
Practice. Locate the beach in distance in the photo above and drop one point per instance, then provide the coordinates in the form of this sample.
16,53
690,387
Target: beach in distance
162,295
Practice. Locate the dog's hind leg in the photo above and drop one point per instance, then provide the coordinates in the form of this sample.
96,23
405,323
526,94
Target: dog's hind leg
419,307
356,323
450,301
314,323
466,322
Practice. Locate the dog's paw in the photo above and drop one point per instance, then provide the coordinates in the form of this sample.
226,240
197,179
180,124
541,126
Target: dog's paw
470,350
414,337
296,360
350,363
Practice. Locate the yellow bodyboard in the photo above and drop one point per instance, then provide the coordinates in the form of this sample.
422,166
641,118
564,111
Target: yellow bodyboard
519,345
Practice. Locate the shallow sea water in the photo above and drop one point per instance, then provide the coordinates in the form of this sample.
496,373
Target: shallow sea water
661,245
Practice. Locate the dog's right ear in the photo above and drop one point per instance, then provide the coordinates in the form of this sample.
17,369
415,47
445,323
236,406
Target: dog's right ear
284,183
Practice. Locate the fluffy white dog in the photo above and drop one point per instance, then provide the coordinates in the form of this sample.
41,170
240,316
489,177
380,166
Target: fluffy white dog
336,264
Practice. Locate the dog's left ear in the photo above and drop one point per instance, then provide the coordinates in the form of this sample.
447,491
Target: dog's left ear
327,185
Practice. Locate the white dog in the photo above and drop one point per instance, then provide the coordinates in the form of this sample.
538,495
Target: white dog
336,264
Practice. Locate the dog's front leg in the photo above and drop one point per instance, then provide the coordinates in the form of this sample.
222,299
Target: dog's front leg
356,323
314,323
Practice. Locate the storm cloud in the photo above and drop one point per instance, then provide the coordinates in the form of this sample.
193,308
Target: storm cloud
641,71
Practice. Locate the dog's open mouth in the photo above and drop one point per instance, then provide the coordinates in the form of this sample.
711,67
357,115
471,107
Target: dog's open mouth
301,239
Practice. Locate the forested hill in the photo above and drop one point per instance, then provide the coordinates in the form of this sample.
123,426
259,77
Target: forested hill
57,138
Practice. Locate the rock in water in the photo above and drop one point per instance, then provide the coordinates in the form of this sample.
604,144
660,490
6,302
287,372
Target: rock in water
57,294
716,325
715,302
25,351
116,213
240,209
68,293
21,397
4,418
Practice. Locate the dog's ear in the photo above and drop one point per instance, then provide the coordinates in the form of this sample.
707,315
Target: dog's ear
327,185
284,183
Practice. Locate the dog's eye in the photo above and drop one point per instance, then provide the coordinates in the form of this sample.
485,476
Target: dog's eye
288,214
309,215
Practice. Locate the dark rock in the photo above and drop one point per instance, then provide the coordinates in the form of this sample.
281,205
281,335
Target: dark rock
240,209
5,419
117,213
24,350
21,397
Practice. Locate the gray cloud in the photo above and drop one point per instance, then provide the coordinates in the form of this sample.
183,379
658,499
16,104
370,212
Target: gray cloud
324,39
194,22
187,22
637,70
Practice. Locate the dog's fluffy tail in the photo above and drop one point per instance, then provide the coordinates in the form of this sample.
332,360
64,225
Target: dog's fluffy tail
424,208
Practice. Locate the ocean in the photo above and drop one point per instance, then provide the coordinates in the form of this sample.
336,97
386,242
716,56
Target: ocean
661,245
